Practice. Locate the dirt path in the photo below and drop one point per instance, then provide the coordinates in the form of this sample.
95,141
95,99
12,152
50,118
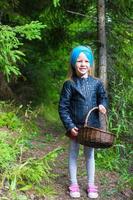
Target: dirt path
106,181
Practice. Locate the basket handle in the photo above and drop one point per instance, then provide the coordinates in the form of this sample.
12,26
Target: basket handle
87,116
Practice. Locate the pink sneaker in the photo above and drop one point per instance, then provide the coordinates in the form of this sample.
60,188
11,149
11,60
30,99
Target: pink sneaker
74,191
92,191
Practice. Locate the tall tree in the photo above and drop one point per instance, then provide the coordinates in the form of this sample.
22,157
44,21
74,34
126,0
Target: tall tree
102,42
102,49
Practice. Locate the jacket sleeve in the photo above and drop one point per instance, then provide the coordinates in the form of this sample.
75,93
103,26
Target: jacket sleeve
102,95
64,106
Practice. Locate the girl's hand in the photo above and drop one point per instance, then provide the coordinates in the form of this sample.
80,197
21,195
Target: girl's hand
74,131
102,109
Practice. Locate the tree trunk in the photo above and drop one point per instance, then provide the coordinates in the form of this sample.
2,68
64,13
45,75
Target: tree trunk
102,50
5,91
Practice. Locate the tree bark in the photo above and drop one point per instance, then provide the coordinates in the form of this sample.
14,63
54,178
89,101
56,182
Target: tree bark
102,42
102,50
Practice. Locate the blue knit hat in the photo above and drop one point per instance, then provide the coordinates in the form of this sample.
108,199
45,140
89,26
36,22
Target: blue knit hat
81,49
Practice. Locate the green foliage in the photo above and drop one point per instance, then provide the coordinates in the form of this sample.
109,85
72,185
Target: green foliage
30,31
121,5
10,120
7,155
120,115
11,117
50,75
120,62
19,173
27,175
118,159
108,159
13,143
56,3
8,51
10,149
120,123
10,43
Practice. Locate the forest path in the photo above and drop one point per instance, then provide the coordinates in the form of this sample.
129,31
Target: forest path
51,138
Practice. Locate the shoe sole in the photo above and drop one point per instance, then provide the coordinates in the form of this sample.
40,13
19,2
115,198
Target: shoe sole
93,195
74,194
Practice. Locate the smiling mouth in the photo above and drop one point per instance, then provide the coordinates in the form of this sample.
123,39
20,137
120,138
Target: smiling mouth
82,68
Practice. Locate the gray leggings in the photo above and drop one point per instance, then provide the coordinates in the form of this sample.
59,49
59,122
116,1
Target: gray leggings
90,162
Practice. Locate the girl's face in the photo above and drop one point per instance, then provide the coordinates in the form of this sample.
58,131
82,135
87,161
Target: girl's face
82,66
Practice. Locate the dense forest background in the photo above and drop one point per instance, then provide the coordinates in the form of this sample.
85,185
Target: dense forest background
36,38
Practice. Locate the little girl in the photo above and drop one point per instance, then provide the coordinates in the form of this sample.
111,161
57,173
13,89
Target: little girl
79,94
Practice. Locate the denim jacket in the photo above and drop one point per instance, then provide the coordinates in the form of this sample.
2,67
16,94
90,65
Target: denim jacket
77,97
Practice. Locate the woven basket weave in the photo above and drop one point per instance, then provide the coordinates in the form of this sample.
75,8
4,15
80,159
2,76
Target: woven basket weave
94,137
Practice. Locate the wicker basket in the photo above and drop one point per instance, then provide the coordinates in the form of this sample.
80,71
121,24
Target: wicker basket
94,137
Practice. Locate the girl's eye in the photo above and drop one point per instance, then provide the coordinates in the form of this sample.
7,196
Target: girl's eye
79,61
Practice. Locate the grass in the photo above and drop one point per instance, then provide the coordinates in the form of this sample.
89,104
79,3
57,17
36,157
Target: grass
23,174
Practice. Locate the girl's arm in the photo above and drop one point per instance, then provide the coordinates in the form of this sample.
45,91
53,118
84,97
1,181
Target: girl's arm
64,106
102,97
